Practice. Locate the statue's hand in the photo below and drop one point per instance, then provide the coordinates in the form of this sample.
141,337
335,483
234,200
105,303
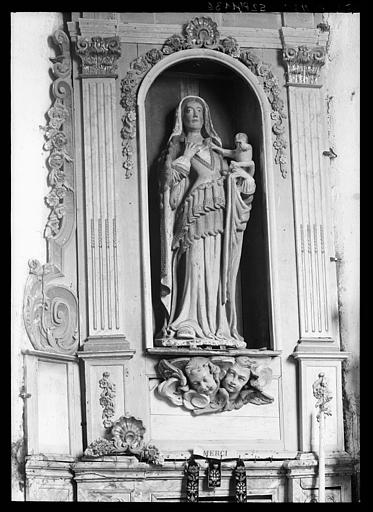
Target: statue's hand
191,149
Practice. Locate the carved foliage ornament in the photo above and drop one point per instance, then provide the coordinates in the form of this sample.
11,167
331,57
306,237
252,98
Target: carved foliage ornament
58,135
99,56
304,64
126,437
201,32
107,397
49,311
323,396
208,385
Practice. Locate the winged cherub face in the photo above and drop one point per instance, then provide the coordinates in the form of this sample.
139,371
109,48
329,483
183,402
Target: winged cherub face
236,377
202,381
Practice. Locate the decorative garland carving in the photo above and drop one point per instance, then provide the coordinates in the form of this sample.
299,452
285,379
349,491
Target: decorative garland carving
199,33
126,437
304,64
59,141
208,385
107,399
239,474
323,396
49,311
192,478
99,56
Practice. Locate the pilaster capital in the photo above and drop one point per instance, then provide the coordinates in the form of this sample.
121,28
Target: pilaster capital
304,64
99,56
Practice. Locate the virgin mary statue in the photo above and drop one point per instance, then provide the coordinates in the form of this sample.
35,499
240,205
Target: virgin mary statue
205,206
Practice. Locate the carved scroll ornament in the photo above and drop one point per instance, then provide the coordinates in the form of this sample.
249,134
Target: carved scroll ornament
208,385
59,141
201,32
50,311
126,437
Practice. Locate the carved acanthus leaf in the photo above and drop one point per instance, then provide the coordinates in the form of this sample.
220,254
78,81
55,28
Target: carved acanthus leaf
201,32
50,310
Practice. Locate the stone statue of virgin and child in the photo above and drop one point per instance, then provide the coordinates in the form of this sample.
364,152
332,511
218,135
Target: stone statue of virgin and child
206,197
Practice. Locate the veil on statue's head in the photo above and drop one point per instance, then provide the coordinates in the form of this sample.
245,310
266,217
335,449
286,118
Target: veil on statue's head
207,131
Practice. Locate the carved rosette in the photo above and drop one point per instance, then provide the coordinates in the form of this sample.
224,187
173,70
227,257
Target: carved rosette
304,64
50,311
59,141
99,56
107,397
126,437
323,396
201,32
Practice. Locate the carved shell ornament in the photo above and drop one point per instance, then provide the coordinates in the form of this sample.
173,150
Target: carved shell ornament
125,438
201,32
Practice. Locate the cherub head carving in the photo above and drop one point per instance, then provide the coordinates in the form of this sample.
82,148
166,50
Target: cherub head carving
237,376
203,375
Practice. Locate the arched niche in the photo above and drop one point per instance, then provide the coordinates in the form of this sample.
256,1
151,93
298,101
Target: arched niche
237,103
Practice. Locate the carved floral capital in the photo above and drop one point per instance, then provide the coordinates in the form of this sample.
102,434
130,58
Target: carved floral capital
99,56
304,64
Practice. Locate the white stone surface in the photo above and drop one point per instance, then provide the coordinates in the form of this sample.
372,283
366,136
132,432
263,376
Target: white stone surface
30,100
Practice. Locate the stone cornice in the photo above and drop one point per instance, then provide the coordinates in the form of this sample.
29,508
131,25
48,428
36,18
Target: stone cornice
151,33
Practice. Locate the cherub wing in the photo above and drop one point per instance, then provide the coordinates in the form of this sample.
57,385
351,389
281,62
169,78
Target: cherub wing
173,368
256,397
261,376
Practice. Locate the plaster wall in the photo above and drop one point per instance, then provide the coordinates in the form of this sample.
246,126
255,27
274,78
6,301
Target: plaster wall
343,100
30,100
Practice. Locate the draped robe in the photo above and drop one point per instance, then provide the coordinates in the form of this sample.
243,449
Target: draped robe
203,218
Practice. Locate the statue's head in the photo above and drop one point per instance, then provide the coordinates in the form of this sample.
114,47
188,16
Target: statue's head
203,375
237,376
241,140
193,114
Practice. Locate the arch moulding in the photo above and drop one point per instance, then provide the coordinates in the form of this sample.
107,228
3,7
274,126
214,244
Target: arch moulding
267,166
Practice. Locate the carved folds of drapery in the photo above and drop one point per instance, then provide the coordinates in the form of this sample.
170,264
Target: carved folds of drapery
99,56
50,311
304,64
200,32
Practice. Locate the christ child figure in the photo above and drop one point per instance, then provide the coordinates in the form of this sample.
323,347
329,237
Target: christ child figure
241,156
